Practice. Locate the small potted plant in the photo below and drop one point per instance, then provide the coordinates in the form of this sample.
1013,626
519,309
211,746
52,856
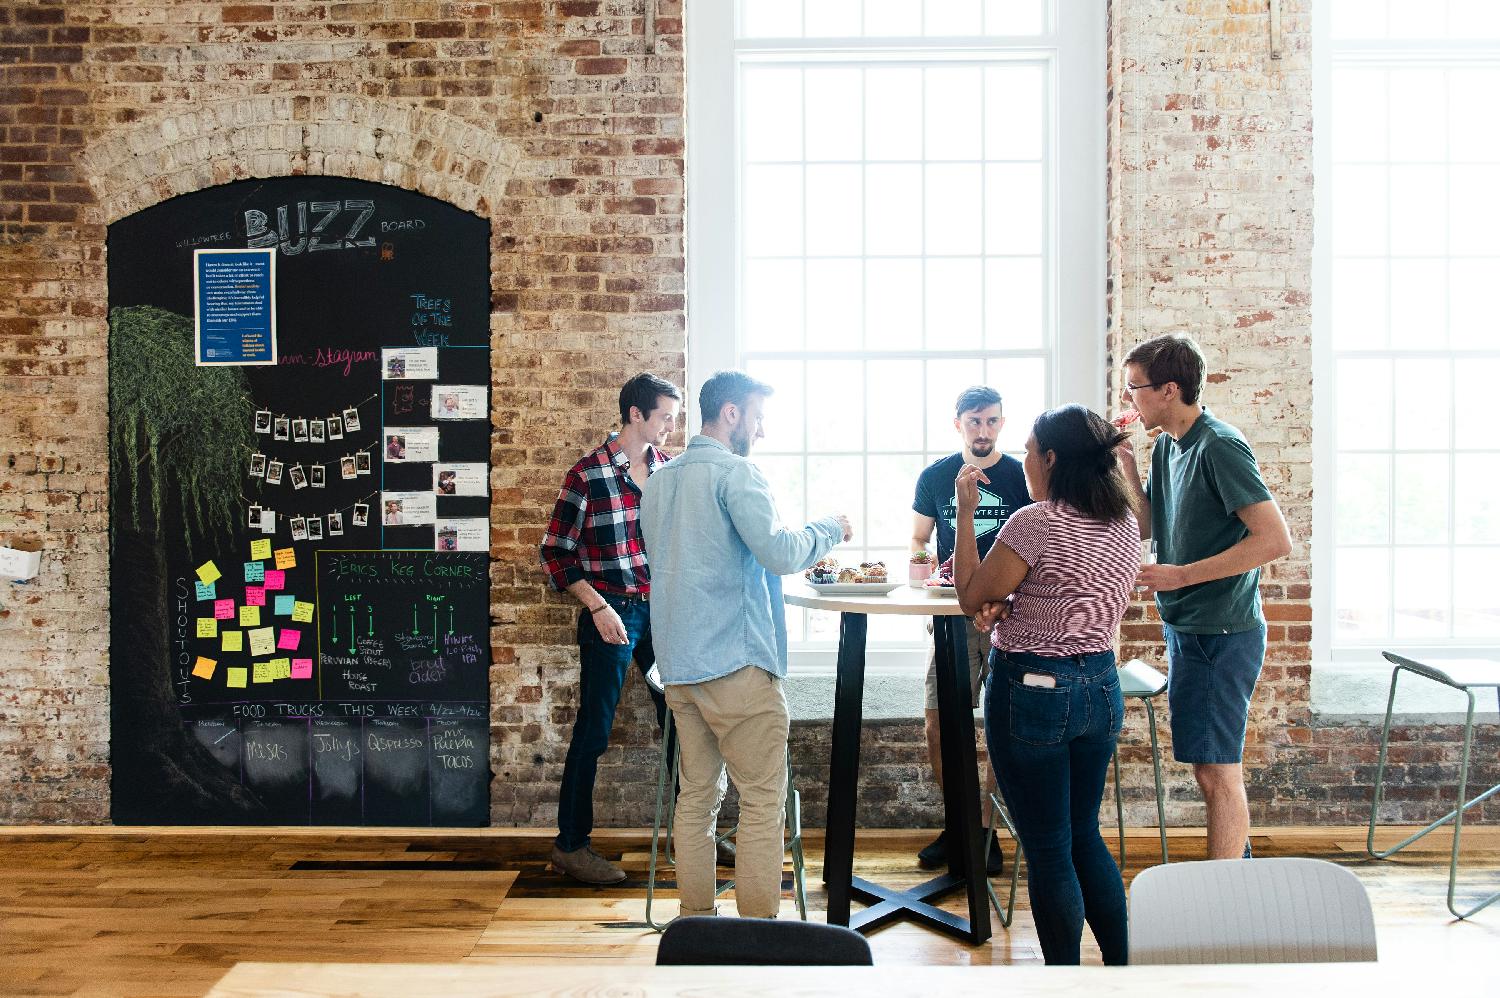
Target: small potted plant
920,567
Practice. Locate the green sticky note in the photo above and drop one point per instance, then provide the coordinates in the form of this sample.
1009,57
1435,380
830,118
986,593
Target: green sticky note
208,627
233,640
208,572
249,616
302,612
235,678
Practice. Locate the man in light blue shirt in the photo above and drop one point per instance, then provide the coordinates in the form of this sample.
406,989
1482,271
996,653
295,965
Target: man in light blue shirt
718,550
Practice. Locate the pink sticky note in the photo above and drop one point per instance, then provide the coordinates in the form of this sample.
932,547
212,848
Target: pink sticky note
255,595
290,640
275,579
223,609
301,668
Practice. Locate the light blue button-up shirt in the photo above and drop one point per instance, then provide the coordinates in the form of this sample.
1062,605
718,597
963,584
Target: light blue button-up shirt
718,551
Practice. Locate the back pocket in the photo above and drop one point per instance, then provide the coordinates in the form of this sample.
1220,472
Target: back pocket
1038,715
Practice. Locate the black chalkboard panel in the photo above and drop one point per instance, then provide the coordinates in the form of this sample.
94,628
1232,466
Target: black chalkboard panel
233,700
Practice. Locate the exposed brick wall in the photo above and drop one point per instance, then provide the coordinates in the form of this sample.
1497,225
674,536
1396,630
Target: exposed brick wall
550,118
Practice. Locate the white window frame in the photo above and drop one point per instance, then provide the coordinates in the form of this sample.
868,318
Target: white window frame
1330,657
1073,42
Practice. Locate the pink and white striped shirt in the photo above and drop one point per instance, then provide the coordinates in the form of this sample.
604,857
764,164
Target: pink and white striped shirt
1082,569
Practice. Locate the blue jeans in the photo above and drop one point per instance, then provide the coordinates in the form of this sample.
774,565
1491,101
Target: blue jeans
1051,746
601,676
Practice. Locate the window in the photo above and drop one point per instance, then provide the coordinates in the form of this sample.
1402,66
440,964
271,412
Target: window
1407,341
879,217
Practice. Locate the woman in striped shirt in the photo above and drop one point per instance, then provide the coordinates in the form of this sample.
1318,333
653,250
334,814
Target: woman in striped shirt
1052,708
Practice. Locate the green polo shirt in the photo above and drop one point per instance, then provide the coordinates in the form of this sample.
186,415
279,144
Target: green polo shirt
1196,485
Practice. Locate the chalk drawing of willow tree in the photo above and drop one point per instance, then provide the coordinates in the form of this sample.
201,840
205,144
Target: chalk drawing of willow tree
180,436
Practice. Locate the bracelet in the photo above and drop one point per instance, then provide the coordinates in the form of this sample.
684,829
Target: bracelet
601,606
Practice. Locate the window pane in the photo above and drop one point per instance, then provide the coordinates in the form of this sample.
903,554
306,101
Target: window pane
784,472
893,304
893,113
953,295
772,219
1013,17
1013,208
902,629
773,305
835,304
834,129
1359,304
1476,597
1471,98
1423,596
784,410
892,17
893,483
1361,592
832,18
1359,194
1417,133
1475,383
1363,495
1476,216
1022,383
1471,19
1419,209
894,405
837,485
952,120
1362,404
1423,400
772,126
1410,19
1419,304
771,18
893,210
834,210
1476,498
1421,482
945,380
1473,320
1358,120
953,194
1014,296
837,421
952,18
1013,112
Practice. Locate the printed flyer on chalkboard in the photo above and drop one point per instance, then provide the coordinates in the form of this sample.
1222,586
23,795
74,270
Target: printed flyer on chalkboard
234,306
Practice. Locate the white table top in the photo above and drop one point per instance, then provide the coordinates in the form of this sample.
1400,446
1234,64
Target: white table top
901,600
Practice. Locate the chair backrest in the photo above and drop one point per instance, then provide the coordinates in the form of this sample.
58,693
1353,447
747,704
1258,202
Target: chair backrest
1250,911
712,941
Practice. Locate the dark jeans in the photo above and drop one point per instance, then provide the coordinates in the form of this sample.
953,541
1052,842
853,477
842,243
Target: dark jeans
1051,748
601,676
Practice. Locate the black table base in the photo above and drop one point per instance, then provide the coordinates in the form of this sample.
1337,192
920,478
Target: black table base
960,795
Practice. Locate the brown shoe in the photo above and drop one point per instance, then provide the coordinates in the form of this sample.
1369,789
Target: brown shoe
586,866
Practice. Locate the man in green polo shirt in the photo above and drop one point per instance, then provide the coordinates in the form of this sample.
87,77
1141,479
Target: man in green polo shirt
1214,525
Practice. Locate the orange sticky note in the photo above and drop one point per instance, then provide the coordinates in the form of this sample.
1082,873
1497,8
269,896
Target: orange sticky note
204,667
286,558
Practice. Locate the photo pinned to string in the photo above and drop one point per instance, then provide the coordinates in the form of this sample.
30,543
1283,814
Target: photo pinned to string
257,466
315,528
336,524
362,462
268,521
263,421
361,516
346,466
253,520
315,430
315,476
335,428
298,476
351,420
273,472
299,431
283,429
299,528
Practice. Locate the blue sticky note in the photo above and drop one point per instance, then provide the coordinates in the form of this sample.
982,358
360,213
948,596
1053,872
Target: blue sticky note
285,605
254,571
207,590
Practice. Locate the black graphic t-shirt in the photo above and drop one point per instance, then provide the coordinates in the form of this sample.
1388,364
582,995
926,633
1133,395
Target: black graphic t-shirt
937,498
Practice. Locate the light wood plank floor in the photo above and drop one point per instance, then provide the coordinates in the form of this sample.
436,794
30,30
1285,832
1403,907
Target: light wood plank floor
88,911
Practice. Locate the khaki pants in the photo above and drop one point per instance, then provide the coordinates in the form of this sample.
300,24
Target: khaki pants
739,721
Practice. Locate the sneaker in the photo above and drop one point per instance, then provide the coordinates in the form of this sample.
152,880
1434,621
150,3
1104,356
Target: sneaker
724,853
586,866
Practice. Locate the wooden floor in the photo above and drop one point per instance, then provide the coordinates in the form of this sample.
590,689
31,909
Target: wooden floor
168,911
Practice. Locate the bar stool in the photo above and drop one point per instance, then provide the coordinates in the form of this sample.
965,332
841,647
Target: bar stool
667,805
998,812
1139,680
1464,675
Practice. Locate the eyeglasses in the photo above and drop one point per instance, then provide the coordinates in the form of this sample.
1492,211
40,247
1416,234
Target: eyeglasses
1140,388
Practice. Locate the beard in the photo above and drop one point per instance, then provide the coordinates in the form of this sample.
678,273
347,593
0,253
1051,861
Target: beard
982,449
740,440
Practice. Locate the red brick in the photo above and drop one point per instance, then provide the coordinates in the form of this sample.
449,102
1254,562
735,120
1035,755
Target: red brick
247,13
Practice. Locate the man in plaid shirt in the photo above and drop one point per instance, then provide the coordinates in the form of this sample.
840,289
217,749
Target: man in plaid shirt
593,550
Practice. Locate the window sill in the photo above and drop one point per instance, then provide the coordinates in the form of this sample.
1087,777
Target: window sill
895,685
1354,693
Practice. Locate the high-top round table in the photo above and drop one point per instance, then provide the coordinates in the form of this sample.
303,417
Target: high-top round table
960,773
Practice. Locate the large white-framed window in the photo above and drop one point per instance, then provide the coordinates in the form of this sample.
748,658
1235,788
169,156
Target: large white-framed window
889,202
1406,338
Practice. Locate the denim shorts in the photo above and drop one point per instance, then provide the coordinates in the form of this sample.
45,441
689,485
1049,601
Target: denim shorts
1210,678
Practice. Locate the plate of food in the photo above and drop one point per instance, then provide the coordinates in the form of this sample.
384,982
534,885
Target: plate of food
868,578
939,582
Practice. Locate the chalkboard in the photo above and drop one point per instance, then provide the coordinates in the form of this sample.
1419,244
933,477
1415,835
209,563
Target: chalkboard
251,681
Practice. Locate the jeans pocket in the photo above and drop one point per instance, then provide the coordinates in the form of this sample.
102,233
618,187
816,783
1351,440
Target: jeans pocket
1116,707
1039,714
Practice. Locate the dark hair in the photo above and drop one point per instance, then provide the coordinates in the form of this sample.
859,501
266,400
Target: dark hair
644,391
1084,472
975,397
1173,357
725,388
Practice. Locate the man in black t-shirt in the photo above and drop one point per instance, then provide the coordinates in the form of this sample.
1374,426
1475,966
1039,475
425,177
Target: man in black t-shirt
979,418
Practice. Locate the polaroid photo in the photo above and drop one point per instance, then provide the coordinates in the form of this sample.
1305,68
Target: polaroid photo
335,428
273,472
298,476
268,521
299,529
299,431
315,528
283,429
361,517
254,519
335,524
346,467
257,466
362,462
315,476
315,431
351,420
263,421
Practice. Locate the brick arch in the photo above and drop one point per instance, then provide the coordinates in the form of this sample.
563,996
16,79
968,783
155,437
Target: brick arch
418,149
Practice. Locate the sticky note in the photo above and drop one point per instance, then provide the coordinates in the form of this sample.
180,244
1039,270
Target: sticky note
284,605
281,668
302,612
263,641
208,572
249,616
255,595
262,672
285,558
254,571
275,579
206,590
260,549
208,627
234,678
290,640
301,668
223,609
232,640
204,667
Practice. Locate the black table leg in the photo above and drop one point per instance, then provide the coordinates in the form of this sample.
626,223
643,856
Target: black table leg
960,769
843,766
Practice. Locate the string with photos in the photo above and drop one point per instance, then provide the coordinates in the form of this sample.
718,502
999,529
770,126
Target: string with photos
260,466
256,514
281,426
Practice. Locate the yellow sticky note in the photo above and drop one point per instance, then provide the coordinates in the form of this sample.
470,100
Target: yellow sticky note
302,612
249,616
262,673
233,640
208,627
263,641
208,572
235,678
281,668
204,667
260,549
286,558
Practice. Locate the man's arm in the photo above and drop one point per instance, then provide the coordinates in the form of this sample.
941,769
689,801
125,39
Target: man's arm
921,531
1268,540
559,553
752,509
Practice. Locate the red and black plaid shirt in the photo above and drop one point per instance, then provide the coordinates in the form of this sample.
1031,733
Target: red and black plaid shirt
595,533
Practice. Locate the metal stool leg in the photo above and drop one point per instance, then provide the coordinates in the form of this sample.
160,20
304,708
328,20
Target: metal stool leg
1007,912
1119,807
1161,807
663,766
794,840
